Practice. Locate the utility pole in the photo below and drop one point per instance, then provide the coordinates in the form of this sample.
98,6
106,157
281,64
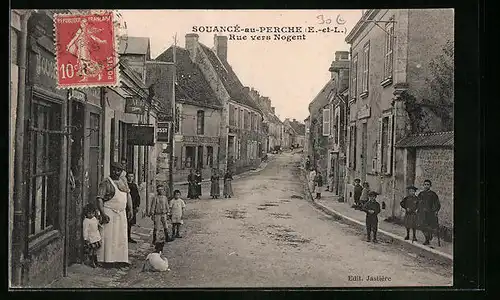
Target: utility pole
172,126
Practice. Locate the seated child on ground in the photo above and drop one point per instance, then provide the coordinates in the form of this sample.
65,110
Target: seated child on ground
155,262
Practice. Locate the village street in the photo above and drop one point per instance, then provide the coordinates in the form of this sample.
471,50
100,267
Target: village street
269,236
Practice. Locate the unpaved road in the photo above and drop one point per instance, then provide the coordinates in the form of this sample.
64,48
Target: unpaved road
268,236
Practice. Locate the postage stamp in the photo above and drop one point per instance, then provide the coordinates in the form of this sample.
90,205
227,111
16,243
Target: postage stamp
86,50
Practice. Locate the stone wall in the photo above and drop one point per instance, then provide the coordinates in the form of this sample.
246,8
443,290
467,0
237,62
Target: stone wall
45,264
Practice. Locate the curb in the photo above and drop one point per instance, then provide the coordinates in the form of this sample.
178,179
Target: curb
391,237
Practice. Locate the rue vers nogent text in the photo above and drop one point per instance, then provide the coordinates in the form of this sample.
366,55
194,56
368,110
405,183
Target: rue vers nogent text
268,33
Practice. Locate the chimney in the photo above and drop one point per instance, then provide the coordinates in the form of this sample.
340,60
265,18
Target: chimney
294,121
273,110
341,55
246,89
191,44
220,46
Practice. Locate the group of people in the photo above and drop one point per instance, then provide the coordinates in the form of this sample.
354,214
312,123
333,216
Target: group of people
315,182
107,224
420,211
195,179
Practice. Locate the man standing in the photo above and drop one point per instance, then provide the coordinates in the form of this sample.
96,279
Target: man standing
112,201
136,203
308,163
428,210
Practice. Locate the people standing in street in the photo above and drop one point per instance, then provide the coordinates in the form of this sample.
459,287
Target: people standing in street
192,187
312,176
159,212
91,234
113,200
228,185
372,209
318,184
198,179
308,163
136,203
410,205
428,210
214,184
364,194
358,189
177,207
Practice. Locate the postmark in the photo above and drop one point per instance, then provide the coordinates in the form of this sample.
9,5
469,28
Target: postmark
87,53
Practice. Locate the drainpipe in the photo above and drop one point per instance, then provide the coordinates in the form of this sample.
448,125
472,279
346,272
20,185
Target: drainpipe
19,238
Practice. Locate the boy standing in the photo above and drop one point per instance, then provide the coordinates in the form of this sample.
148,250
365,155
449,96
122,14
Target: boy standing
357,191
410,205
428,210
372,209
177,207
159,212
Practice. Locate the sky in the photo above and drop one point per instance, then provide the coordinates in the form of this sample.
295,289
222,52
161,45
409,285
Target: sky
290,73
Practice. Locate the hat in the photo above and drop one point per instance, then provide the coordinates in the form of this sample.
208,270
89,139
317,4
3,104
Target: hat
372,193
411,187
117,165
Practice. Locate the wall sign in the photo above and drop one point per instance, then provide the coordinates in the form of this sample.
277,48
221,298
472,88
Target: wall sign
162,131
134,105
364,112
141,135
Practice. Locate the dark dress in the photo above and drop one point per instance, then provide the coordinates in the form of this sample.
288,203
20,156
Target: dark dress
198,180
410,205
428,206
191,186
358,189
136,200
228,186
371,219
214,187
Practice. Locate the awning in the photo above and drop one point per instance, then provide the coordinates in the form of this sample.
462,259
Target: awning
438,139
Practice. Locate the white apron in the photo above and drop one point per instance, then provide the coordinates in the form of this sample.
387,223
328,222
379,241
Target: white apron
114,234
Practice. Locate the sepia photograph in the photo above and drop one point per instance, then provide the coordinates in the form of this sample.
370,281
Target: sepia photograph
231,148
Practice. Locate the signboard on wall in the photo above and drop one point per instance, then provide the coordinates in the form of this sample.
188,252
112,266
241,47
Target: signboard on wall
143,135
134,105
162,132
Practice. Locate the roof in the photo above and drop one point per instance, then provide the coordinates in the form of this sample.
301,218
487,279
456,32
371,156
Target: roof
134,45
230,80
322,98
437,139
192,86
273,118
299,128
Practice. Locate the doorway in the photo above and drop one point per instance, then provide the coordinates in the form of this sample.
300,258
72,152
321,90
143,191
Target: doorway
200,158
364,143
94,151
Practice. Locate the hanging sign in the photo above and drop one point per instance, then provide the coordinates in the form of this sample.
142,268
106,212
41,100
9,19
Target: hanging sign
143,135
134,105
162,132
77,95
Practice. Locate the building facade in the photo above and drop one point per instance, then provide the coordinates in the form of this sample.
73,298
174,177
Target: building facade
392,66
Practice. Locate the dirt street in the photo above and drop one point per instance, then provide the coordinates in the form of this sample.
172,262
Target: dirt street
269,236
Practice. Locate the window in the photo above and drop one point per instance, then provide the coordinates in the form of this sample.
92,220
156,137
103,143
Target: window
210,156
200,122
247,120
336,128
352,146
354,77
232,116
242,119
389,50
366,67
199,164
190,157
326,121
384,155
45,159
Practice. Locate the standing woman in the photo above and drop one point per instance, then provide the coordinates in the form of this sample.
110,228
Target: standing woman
191,185
312,176
214,187
113,202
228,186
198,179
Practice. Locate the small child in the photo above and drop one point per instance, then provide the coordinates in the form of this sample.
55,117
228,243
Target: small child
159,212
155,261
372,209
177,207
410,205
363,198
358,189
318,182
91,234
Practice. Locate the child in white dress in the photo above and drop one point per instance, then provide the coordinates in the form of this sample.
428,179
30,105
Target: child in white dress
177,207
91,234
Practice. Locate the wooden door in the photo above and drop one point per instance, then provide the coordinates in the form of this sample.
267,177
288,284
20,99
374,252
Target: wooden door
93,148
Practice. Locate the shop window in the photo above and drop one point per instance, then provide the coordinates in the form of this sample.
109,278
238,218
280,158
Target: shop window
45,160
200,122
210,156
199,165
190,157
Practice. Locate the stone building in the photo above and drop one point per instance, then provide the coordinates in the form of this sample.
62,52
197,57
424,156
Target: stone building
197,118
393,93
298,134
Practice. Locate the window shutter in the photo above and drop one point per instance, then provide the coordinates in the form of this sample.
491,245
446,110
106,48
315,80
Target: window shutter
326,121
379,146
389,144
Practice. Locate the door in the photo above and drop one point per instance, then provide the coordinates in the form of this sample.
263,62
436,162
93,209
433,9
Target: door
93,152
364,143
200,158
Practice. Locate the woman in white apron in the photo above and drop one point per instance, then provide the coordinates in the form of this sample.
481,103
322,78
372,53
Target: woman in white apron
113,202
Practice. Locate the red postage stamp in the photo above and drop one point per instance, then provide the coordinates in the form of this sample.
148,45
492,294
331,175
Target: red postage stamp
86,50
